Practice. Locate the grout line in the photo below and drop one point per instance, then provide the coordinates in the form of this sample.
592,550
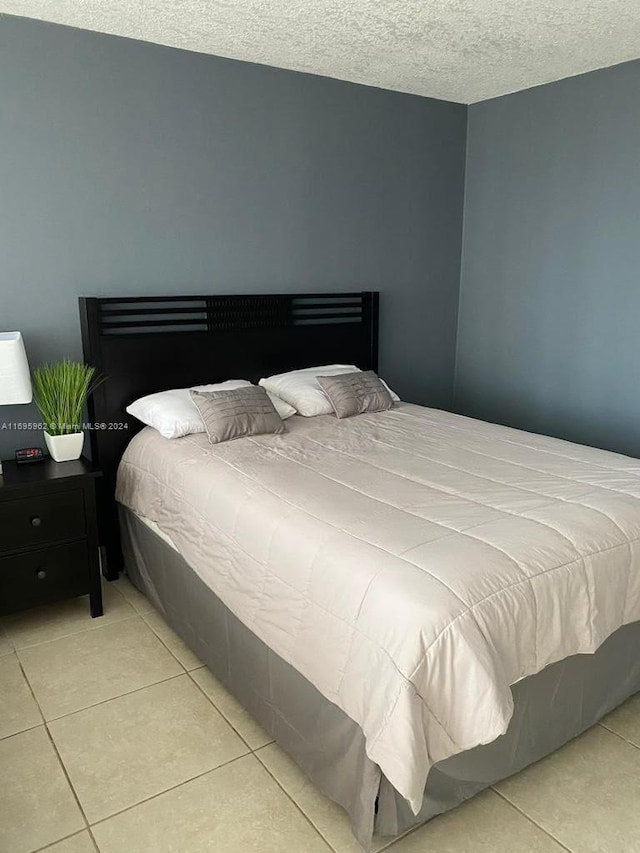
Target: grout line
131,601
22,731
111,585
102,701
88,826
96,627
317,829
172,788
224,717
44,725
531,820
251,751
164,643
256,750
618,735
112,698
92,625
405,835
290,797
93,840
152,612
157,613
185,672
134,606
66,838
56,751
67,777
386,846
31,691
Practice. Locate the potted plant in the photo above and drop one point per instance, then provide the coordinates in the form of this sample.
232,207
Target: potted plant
60,391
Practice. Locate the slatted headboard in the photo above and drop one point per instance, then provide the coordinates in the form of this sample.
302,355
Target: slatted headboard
147,344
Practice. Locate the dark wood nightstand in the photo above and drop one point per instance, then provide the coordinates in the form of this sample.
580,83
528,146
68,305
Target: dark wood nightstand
48,534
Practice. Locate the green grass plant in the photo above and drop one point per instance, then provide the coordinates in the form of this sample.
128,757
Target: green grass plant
60,391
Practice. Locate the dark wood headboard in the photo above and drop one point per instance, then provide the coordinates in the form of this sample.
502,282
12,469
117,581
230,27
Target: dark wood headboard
147,344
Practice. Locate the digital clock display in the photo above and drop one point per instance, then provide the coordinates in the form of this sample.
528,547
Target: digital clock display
30,454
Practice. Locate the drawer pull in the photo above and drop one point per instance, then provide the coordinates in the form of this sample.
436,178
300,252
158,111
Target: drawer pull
36,521
41,574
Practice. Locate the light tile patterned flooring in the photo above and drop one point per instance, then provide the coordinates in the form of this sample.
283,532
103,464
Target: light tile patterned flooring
114,737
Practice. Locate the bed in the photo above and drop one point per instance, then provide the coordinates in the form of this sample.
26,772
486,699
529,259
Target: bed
414,604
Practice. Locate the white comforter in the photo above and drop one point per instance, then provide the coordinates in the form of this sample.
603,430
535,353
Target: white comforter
411,564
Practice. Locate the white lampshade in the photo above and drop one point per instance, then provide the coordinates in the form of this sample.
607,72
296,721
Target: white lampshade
15,381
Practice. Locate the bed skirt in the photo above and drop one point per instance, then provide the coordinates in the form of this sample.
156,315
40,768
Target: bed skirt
551,707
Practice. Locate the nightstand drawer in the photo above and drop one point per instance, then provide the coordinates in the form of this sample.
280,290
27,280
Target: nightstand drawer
36,577
43,518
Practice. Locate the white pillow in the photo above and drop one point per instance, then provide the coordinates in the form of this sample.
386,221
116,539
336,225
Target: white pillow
301,389
174,414
281,406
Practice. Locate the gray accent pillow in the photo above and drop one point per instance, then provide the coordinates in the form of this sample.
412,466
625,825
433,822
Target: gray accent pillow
234,414
356,393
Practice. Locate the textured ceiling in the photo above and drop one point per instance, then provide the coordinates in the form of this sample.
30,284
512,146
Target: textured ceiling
459,50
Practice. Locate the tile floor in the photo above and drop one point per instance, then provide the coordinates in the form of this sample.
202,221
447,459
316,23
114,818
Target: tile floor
113,737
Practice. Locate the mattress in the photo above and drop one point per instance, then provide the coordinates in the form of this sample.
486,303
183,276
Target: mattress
550,708
411,564
154,527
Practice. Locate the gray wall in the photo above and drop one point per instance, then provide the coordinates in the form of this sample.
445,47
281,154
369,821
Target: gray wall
549,325
128,168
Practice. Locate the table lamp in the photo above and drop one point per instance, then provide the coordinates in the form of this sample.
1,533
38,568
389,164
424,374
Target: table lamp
15,380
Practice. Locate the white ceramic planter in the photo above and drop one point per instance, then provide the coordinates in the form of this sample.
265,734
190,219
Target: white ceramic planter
64,448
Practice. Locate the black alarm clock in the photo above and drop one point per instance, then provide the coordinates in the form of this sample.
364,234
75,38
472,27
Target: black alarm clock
30,454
